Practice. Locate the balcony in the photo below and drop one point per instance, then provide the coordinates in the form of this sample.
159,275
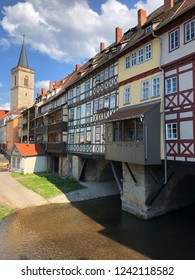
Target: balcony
62,126
59,148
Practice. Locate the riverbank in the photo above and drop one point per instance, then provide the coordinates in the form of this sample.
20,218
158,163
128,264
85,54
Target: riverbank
14,196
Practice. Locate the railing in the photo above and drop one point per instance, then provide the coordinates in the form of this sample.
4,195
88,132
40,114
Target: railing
56,148
57,126
87,148
132,152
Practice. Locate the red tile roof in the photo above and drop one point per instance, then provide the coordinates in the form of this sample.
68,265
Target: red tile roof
2,113
30,149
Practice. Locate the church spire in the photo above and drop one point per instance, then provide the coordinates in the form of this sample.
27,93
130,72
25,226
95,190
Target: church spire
23,57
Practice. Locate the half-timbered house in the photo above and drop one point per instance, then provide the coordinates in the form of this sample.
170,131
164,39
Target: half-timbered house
92,98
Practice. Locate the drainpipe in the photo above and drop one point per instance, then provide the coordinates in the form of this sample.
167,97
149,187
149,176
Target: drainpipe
163,108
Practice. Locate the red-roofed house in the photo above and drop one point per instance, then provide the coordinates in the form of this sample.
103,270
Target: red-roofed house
28,158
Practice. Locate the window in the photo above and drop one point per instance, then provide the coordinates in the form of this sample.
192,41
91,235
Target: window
171,131
145,90
133,59
71,94
102,76
190,31
88,136
139,130
155,86
87,85
78,90
140,55
71,137
88,109
127,62
15,80
14,162
106,102
148,52
101,103
106,73
97,134
126,99
111,72
18,163
71,116
148,29
26,81
78,112
174,40
95,106
171,85
112,101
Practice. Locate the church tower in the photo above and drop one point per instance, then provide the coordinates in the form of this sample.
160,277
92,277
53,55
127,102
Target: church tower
22,84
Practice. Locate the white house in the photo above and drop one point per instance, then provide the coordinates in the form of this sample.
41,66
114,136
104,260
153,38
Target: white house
28,158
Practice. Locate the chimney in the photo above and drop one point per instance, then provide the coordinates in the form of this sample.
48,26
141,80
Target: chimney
43,91
141,17
168,4
102,47
77,67
119,34
50,85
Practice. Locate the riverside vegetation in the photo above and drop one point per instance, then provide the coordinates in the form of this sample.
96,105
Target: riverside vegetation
45,184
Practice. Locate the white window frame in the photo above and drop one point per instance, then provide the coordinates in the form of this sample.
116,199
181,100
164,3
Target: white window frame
128,62
127,95
145,90
141,55
134,59
148,52
171,131
171,85
190,31
112,101
156,86
174,39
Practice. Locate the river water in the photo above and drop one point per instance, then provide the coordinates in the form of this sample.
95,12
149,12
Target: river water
96,229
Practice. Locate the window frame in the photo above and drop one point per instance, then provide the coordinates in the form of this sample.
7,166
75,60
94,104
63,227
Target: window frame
143,88
155,85
170,134
171,85
127,95
185,31
175,46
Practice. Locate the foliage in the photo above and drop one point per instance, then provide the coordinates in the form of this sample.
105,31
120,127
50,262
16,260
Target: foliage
4,211
46,184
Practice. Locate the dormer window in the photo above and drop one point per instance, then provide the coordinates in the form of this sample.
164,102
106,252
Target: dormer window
148,29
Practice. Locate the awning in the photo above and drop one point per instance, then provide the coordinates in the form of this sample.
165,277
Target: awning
131,113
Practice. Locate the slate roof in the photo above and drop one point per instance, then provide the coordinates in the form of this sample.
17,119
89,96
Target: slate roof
131,112
30,149
23,61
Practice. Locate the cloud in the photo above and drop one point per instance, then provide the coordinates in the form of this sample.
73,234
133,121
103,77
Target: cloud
42,84
68,31
4,44
5,106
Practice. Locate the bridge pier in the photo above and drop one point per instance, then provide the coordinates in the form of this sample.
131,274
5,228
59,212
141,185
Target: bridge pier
146,182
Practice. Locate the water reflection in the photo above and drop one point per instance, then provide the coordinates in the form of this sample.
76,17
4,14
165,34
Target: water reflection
96,229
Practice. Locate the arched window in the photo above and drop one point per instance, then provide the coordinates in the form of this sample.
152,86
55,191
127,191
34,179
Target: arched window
26,81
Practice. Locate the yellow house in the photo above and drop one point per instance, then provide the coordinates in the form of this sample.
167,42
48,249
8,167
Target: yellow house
134,134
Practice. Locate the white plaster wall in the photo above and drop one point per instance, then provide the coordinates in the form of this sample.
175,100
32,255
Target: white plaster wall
183,50
34,164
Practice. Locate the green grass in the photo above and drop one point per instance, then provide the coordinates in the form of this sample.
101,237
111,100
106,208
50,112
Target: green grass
4,211
47,185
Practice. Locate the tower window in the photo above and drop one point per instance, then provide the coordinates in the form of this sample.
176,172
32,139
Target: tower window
26,94
26,81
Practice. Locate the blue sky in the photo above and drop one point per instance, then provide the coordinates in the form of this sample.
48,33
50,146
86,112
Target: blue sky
59,34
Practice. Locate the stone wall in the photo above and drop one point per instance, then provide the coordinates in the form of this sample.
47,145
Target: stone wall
178,192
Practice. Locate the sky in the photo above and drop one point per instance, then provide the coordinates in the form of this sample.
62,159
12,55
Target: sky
59,34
